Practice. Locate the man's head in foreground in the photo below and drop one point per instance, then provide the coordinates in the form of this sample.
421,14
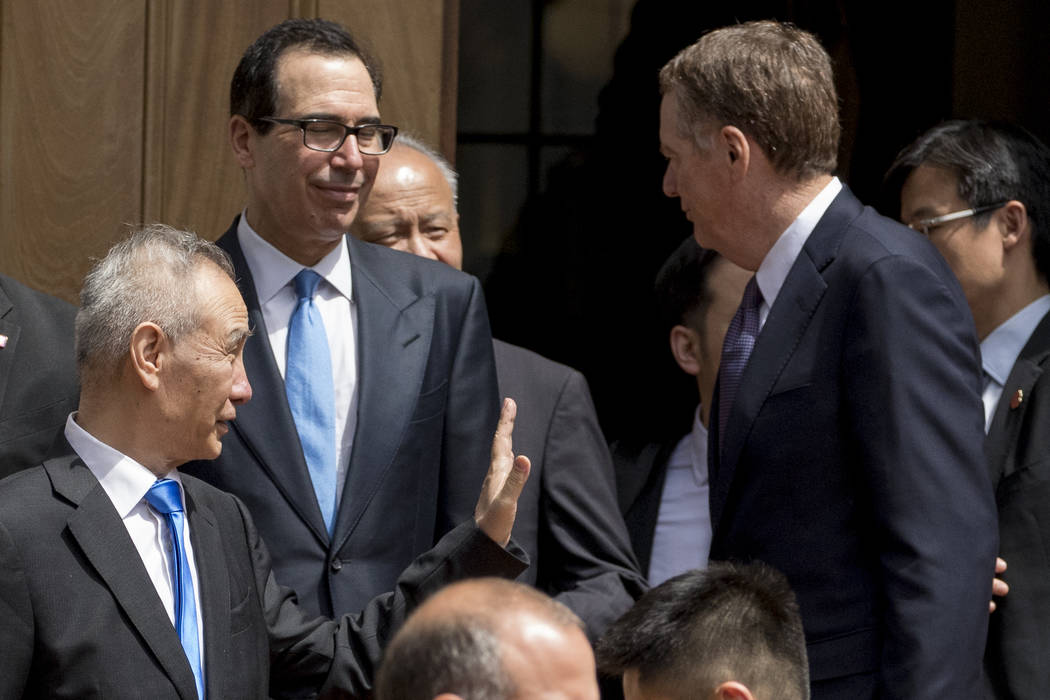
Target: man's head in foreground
981,192
489,639
698,292
730,631
748,121
413,204
159,337
293,95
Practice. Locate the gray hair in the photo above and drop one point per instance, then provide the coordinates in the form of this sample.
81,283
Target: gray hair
443,165
142,279
773,81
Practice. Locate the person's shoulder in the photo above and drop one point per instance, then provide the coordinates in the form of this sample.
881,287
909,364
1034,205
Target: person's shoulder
521,359
22,498
35,305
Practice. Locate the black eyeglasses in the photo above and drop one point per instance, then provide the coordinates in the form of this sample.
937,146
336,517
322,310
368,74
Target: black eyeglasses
923,226
328,136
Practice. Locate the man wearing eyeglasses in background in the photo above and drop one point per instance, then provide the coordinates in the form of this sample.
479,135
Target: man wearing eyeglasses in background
372,369
981,192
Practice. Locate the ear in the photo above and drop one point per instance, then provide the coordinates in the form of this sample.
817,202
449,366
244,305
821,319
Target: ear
149,345
737,148
1013,223
685,346
242,135
731,690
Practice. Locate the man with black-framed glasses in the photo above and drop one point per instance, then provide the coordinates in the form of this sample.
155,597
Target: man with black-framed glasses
373,371
981,192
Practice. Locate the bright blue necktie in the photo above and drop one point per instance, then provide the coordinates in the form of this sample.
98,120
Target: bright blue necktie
311,392
165,498
736,350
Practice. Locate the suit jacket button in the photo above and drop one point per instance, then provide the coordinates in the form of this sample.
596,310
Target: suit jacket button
336,565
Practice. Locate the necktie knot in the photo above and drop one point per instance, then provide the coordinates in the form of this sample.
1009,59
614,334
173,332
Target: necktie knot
752,295
306,284
164,496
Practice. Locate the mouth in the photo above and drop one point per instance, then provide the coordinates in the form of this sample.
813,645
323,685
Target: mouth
340,194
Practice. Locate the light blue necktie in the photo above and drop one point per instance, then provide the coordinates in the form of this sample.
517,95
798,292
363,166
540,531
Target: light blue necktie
311,392
165,498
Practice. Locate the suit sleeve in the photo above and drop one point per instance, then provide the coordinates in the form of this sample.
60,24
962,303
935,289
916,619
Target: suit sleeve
16,621
915,415
587,559
471,413
341,656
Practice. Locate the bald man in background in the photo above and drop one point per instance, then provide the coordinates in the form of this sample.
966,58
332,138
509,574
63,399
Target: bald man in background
489,639
568,520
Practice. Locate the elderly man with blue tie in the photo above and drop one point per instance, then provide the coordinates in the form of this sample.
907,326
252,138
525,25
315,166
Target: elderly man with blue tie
121,578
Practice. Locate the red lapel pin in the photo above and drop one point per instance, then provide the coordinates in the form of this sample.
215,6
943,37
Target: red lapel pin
3,342
1018,397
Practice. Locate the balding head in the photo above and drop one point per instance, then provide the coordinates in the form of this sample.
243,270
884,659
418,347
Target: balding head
489,639
412,206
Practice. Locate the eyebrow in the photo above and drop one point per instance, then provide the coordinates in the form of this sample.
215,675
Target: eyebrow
238,336
329,117
922,213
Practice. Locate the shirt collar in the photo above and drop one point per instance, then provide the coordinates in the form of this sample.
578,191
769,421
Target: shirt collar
123,479
698,449
272,270
778,261
999,350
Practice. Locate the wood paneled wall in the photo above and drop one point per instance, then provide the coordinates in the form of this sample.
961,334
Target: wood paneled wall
115,112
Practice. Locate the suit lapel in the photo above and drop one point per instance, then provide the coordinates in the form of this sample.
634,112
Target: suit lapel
104,541
395,326
266,426
788,320
12,330
214,585
1006,422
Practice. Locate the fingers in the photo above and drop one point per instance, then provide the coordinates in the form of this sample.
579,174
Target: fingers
999,586
498,502
502,444
498,519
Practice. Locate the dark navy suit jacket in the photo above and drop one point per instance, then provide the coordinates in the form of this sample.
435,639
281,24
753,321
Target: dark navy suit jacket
853,462
427,410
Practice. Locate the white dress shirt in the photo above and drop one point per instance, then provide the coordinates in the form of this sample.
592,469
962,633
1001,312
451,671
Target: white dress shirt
999,351
126,482
274,273
778,261
682,539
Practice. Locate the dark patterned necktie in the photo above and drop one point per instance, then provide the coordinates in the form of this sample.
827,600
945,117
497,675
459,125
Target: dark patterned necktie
739,342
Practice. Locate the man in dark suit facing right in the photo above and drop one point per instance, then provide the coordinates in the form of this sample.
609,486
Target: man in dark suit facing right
122,578
981,192
846,428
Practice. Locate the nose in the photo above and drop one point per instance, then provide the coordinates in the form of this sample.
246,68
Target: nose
670,183
348,155
241,392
